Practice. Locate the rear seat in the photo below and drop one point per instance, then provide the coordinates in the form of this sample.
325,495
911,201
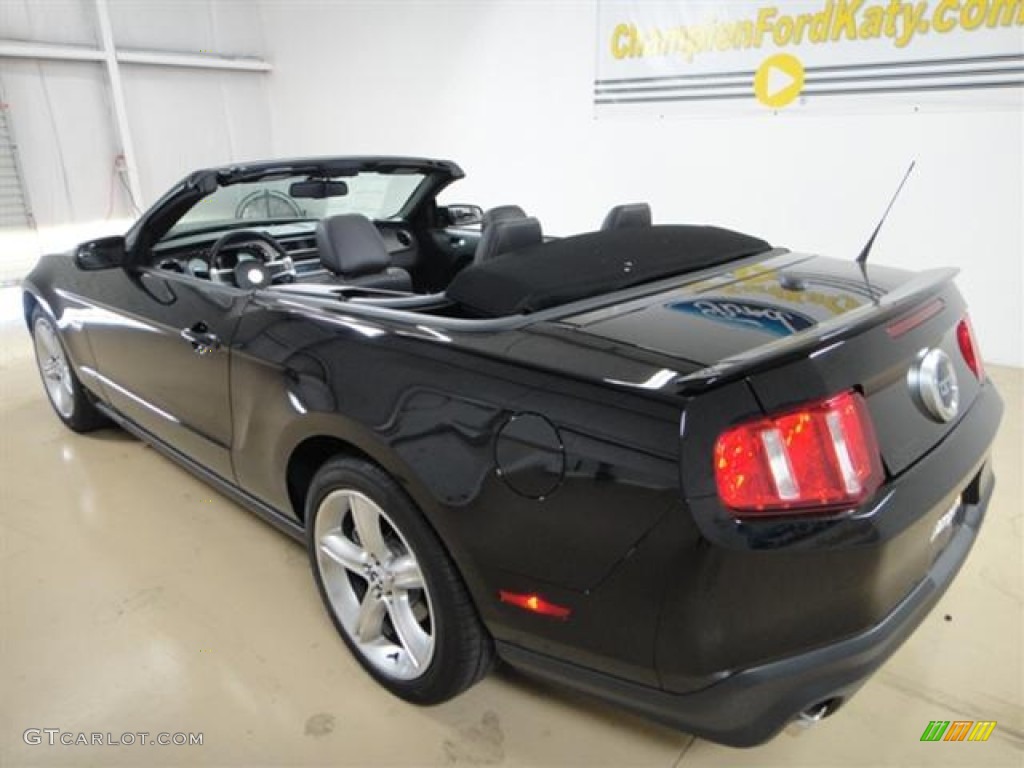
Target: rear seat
505,236
630,216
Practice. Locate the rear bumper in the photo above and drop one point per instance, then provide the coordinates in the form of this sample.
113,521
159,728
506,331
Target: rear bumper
749,706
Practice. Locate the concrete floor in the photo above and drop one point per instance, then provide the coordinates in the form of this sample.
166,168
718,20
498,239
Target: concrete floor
133,598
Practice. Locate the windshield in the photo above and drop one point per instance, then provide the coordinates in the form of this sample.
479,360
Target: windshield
375,195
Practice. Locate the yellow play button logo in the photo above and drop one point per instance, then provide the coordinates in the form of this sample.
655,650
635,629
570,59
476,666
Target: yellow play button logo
779,80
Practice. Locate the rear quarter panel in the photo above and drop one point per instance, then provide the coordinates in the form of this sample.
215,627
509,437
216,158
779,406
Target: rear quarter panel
428,409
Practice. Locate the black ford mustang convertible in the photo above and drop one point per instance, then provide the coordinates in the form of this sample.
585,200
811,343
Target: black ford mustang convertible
711,480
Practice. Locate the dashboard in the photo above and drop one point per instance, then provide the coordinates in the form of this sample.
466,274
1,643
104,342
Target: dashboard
190,254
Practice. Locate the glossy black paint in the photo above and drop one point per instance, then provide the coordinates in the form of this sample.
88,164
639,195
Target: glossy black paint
529,455
748,706
564,455
105,253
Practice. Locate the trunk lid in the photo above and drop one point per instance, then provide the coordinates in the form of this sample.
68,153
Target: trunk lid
803,327
738,310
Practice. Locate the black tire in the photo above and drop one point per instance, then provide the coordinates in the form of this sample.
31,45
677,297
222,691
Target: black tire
78,411
462,650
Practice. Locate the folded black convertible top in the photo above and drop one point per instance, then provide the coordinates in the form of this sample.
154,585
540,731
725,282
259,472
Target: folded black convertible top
592,264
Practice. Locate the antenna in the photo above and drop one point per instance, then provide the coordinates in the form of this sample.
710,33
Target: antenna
863,257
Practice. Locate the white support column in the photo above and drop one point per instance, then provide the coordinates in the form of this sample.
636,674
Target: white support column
112,59
117,97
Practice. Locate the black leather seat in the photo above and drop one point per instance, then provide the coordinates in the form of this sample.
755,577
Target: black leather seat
501,213
353,252
505,236
498,213
632,216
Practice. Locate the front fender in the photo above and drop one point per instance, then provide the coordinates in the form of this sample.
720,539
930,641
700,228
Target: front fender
60,289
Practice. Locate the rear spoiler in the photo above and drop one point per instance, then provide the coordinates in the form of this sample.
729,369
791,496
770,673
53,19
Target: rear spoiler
831,331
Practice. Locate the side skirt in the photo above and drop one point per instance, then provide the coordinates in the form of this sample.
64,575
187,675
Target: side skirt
264,511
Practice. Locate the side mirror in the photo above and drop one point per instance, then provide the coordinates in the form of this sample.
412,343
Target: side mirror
463,215
105,253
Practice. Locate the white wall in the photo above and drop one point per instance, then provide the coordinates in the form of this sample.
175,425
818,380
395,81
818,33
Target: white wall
180,119
504,88
183,119
65,137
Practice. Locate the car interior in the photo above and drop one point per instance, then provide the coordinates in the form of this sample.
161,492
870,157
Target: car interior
497,266
350,249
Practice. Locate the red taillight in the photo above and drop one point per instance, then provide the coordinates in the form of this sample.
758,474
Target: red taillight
969,347
822,456
918,316
534,604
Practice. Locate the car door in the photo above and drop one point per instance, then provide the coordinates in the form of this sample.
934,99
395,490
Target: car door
161,343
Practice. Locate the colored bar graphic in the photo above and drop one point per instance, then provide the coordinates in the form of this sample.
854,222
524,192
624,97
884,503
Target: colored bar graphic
935,730
982,730
958,730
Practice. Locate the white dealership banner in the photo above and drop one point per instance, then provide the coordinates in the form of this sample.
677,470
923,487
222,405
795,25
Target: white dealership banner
661,57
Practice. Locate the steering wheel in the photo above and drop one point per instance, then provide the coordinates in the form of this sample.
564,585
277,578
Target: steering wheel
274,265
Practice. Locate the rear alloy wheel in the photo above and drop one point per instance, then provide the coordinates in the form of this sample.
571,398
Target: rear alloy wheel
389,586
375,587
67,395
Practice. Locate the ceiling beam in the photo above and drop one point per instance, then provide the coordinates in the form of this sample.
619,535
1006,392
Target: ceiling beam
18,49
193,60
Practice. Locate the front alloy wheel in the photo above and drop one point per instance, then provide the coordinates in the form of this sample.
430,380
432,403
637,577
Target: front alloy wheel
53,367
70,401
390,587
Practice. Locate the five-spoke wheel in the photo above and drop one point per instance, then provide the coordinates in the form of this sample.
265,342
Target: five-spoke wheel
53,367
67,395
389,585
374,583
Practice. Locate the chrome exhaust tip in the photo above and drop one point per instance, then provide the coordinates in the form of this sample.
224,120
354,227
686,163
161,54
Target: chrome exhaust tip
814,715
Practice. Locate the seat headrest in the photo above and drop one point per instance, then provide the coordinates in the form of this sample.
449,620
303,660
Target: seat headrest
632,216
507,236
501,213
350,245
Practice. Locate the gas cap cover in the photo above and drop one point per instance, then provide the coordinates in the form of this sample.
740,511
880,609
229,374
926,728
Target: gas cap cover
529,455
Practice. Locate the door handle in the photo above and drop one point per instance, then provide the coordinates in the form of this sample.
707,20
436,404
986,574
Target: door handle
203,342
457,242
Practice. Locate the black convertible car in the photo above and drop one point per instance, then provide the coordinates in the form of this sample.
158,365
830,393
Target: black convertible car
711,480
